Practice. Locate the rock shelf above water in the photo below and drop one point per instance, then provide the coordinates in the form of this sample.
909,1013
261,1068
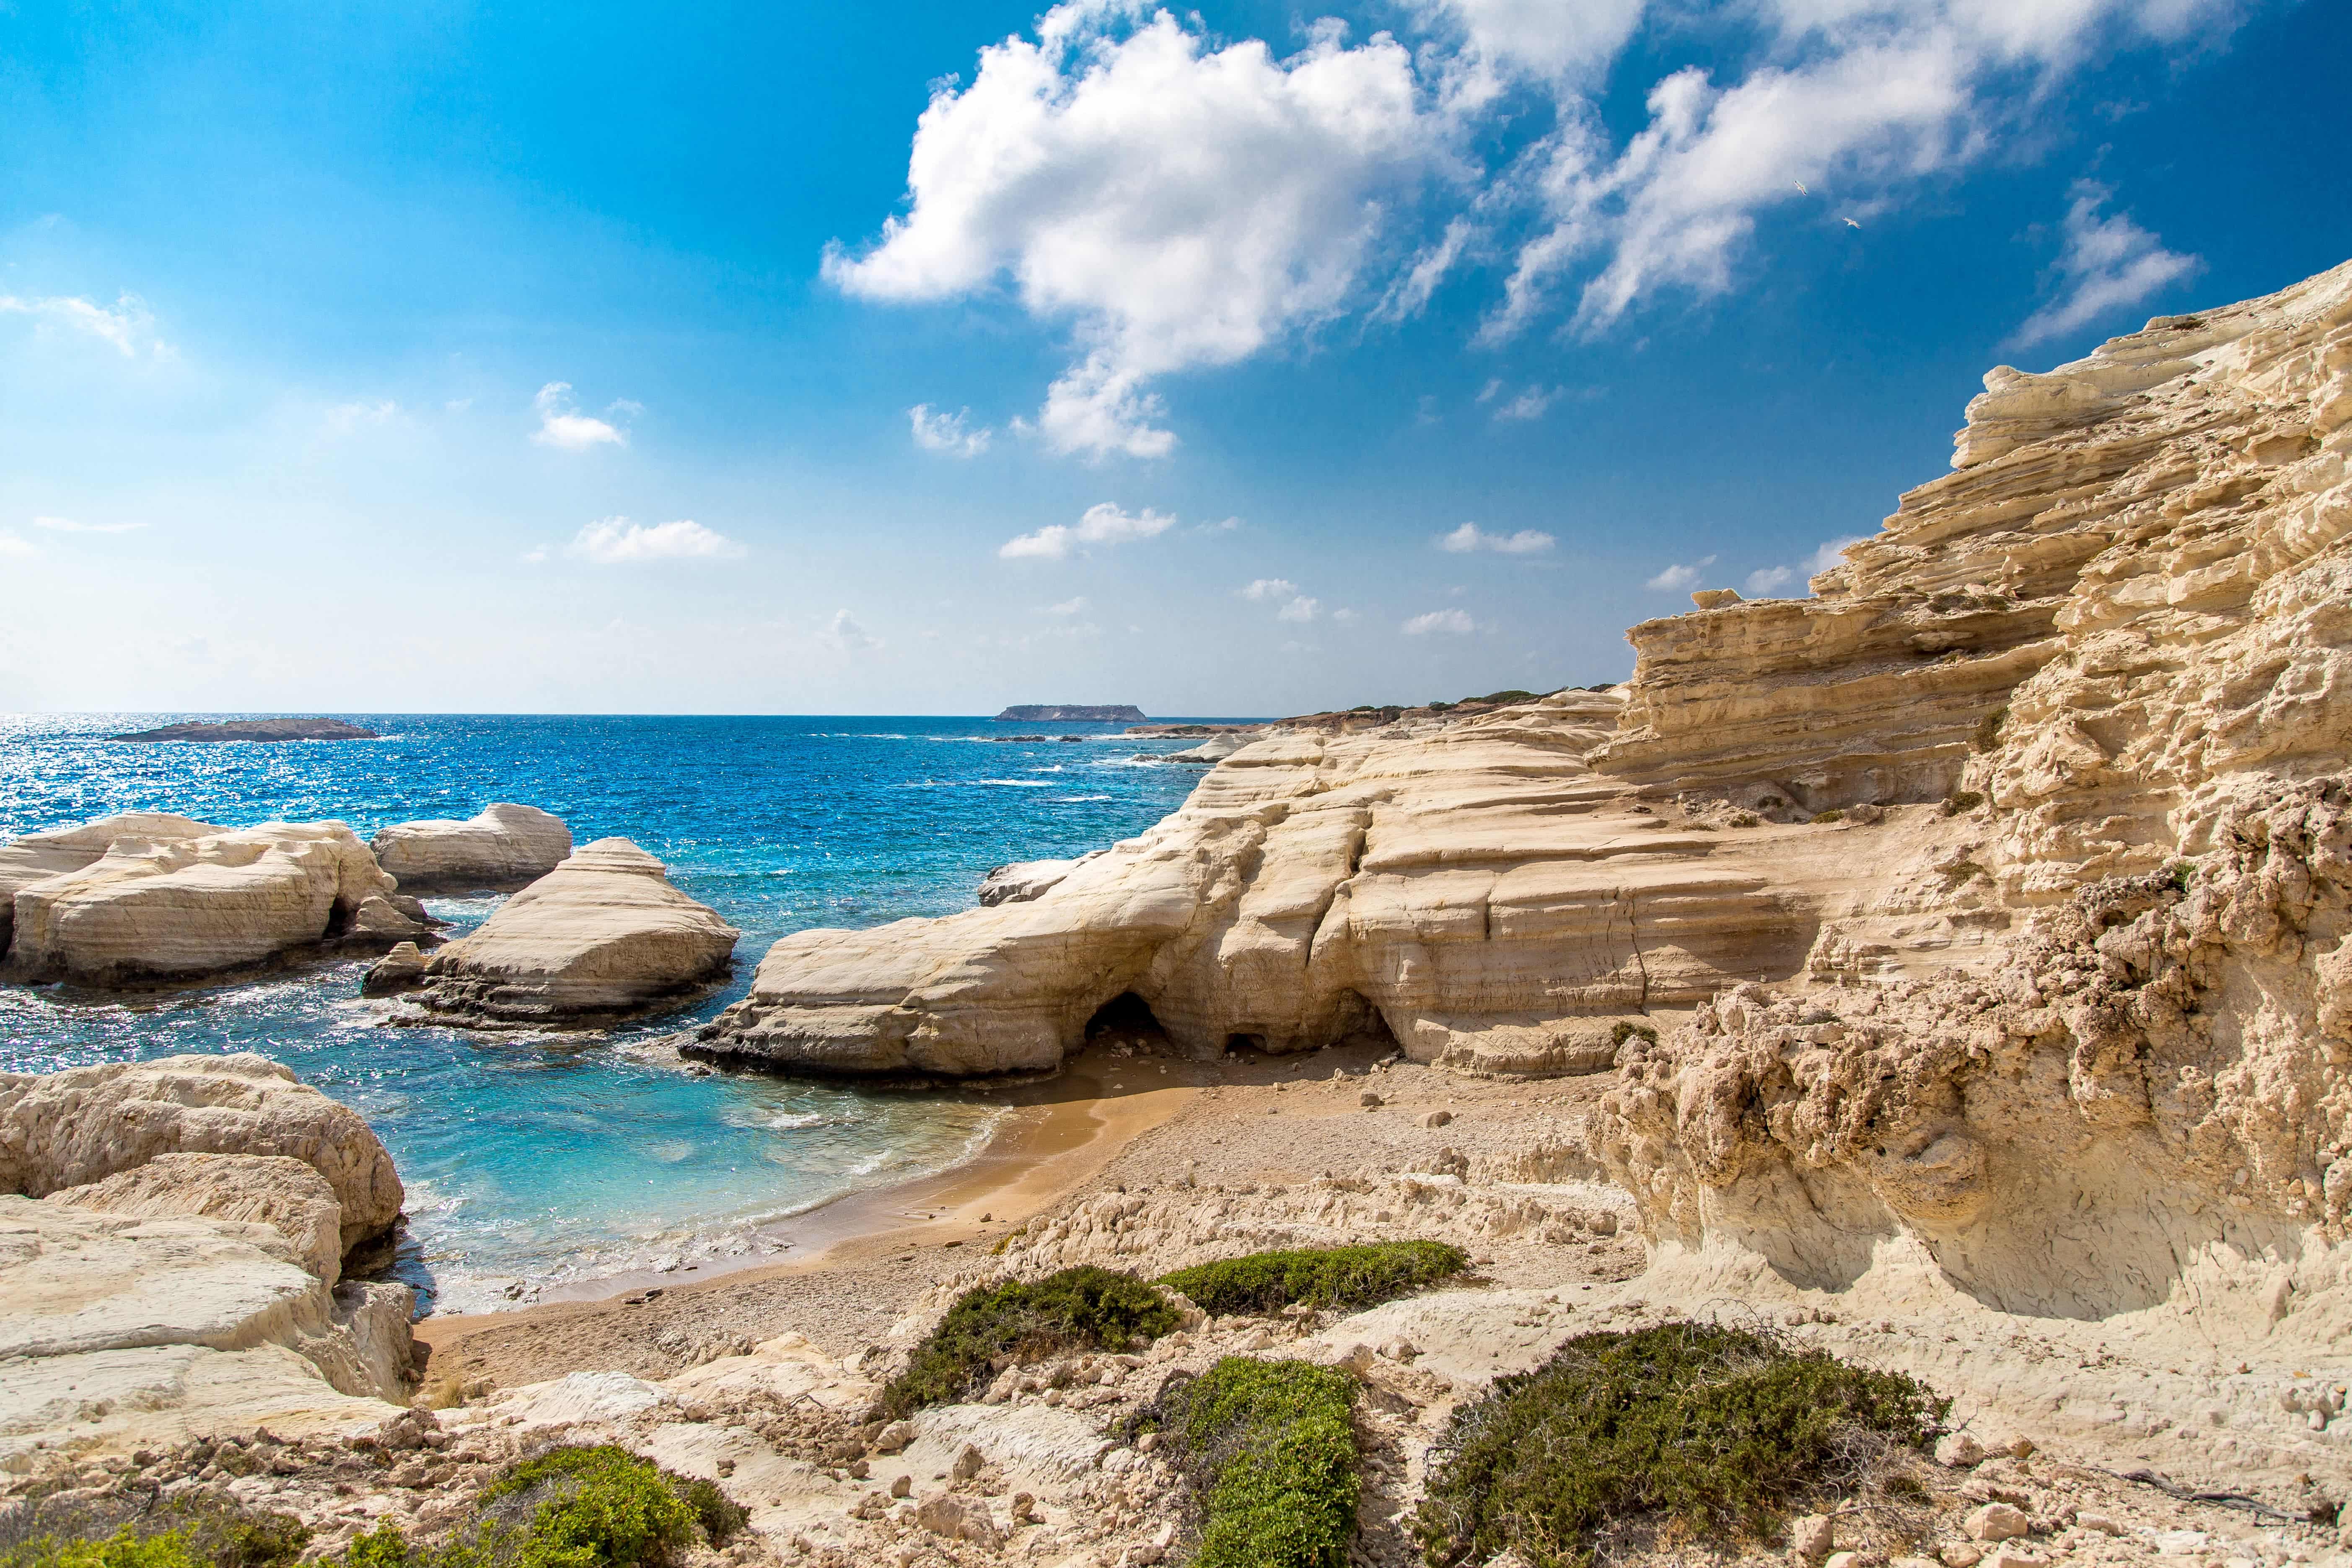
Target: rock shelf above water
263,730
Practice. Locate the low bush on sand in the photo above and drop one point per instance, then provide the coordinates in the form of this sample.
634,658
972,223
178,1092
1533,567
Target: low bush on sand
1079,1309
1690,1431
1270,1447
140,1529
1317,1277
569,1508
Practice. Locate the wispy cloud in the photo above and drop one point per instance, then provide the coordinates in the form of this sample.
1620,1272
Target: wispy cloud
1452,623
563,426
844,636
128,324
1529,405
1681,575
67,525
1762,581
1069,606
2108,263
1470,536
949,434
16,544
1266,588
1102,524
617,542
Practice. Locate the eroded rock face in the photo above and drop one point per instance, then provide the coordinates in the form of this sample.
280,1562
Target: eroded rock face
2130,603
157,901
256,1189
72,1129
602,936
38,856
505,848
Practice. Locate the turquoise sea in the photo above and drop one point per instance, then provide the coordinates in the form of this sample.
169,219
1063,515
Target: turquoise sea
535,1161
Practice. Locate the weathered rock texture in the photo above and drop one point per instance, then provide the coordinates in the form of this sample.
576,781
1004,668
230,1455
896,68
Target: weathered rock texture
602,936
179,1277
72,1129
146,897
505,847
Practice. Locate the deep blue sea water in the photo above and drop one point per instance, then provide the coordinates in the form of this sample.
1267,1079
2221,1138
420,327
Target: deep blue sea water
537,1159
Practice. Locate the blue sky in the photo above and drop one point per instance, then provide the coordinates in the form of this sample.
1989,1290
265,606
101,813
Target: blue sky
1268,357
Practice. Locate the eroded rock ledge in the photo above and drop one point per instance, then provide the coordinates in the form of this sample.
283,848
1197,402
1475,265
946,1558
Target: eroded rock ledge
2129,604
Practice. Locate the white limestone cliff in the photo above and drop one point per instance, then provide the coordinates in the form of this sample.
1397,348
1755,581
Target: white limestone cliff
504,848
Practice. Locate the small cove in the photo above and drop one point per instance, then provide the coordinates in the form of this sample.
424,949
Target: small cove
535,1161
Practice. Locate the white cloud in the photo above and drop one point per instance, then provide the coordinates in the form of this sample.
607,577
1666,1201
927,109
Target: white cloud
1486,393
1102,523
1270,589
1343,614
844,636
1767,580
948,434
1529,405
1181,205
1680,576
1453,623
1536,38
67,525
1069,606
129,325
1223,525
345,417
617,542
16,544
1410,294
563,426
1830,552
1301,608
1470,536
1761,582
2108,263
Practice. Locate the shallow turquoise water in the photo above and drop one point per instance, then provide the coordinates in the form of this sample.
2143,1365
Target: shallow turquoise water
535,1160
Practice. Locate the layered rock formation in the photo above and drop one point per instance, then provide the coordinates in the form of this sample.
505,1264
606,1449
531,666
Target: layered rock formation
179,1275
147,897
2125,607
505,848
602,936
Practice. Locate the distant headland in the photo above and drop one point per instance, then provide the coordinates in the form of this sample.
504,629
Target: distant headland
258,730
1072,713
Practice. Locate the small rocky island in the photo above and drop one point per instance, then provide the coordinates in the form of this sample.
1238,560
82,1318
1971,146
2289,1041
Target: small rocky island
258,729
1072,713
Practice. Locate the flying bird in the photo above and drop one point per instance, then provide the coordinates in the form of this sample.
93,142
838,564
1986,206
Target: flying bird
1851,223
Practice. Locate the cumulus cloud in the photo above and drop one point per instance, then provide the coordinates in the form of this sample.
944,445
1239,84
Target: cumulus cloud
1265,588
563,426
1453,623
127,324
1180,204
1343,614
1680,575
1177,201
1764,580
844,636
16,544
1102,523
948,434
1470,536
1767,580
2108,263
67,525
1069,606
617,542
1301,608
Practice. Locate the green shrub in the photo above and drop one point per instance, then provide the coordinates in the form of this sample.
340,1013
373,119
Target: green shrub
1503,699
1317,1277
1078,1308
1831,815
134,1529
1960,802
1710,1432
595,1508
1626,1029
1271,1448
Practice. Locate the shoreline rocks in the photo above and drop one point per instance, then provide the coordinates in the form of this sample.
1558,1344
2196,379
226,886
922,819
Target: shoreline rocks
159,898
505,847
602,936
263,730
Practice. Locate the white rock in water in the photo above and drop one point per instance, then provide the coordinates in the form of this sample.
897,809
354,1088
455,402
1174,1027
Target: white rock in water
175,906
1215,749
601,936
84,1125
38,856
505,847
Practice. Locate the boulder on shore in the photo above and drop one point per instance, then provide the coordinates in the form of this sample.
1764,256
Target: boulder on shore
159,898
81,1126
505,847
602,936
